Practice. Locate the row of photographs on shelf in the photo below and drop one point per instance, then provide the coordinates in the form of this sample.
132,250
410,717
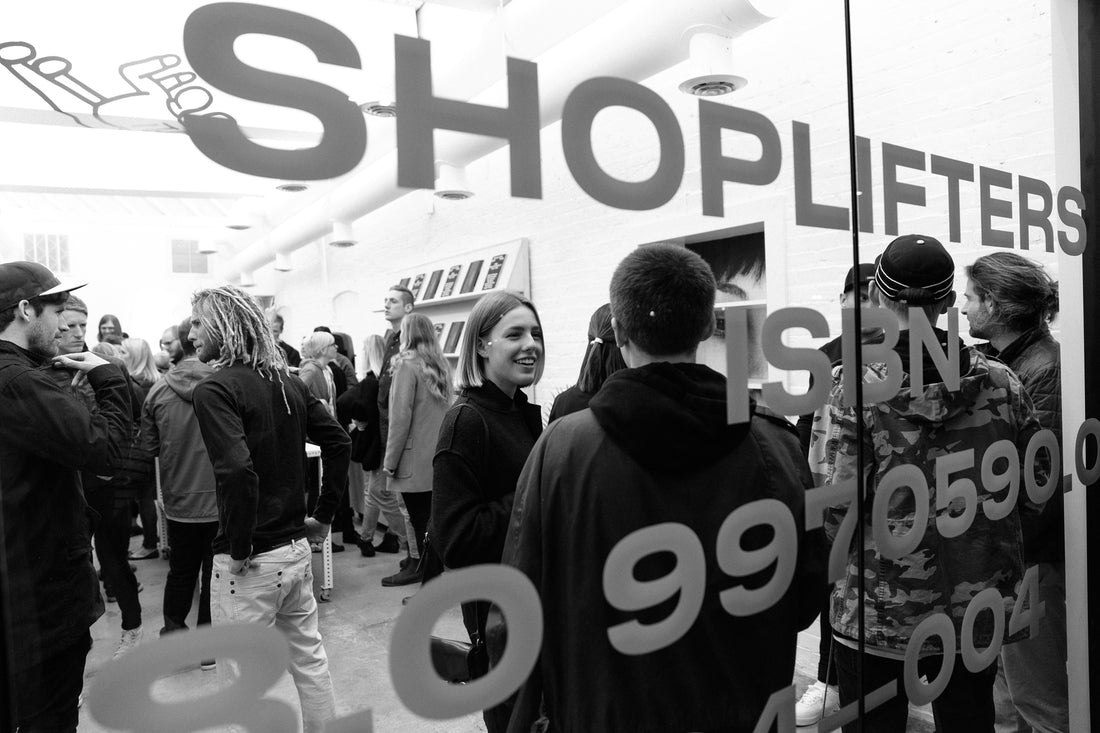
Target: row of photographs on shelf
473,271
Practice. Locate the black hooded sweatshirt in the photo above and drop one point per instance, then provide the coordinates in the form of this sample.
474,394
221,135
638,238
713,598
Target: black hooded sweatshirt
654,455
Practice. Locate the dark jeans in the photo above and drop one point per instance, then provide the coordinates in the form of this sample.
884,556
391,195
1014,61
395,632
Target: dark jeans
147,508
191,554
46,694
419,504
112,543
474,617
826,662
964,706
343,518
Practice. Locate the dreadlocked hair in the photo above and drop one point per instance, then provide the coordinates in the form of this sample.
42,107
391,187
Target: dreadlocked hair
236,323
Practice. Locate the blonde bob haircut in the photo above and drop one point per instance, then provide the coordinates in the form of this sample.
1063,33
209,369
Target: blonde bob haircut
314,344
486,314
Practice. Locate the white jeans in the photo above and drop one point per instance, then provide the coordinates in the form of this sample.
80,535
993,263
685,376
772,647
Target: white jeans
277,590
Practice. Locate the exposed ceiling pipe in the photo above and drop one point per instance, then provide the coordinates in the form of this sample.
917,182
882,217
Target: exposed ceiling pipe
651,40
533,26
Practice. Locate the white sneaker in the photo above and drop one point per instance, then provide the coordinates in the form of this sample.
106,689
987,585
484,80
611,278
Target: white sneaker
130,639
817,701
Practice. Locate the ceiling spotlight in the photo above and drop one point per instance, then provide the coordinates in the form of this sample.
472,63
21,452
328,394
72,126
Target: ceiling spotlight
245,213
292,187
378,108
450,183
247,280
282,262
342,235
710,61
208,246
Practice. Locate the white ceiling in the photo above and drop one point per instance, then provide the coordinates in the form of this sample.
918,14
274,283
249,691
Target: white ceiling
67,151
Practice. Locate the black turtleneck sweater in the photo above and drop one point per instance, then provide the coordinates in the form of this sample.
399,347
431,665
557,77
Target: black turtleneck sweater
483,443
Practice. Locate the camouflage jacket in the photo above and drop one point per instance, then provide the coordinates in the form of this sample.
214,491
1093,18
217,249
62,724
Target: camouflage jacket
942,574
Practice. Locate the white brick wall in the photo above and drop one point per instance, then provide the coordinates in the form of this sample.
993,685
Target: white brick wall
971,81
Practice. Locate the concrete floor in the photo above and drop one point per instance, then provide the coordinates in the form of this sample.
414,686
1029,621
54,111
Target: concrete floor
357,625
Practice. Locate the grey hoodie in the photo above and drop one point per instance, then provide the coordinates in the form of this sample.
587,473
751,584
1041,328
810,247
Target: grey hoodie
171,432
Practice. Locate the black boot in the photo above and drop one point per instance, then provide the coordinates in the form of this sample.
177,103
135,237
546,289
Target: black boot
366,549
389,543
407,576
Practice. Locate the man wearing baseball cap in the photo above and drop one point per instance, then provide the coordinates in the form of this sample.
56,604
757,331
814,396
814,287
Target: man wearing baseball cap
959,553
46,437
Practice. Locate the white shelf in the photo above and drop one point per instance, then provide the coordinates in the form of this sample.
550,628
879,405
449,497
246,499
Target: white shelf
504,266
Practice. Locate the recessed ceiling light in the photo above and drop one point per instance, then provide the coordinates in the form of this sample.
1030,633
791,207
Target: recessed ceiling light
379,109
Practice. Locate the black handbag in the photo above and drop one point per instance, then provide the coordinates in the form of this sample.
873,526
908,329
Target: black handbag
459,661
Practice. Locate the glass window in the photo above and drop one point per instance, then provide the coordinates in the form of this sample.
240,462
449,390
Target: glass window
51,250
187,258
702,365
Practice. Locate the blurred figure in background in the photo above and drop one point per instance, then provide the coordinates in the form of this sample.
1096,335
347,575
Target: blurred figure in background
601,360
139,364
360,405
110,330
171,431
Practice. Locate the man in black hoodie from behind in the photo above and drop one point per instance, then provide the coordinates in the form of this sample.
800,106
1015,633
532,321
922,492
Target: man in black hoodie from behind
651,483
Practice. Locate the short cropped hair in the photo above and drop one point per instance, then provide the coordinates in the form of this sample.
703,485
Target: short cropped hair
74,303
662,297
1026,296
487,312
38,304
406,295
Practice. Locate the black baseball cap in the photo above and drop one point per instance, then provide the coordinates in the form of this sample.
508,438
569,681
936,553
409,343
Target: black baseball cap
866,275
26,280
915,269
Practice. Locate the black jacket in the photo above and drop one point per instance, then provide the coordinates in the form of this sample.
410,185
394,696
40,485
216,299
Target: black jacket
654,455
47,437
293,358
1035,358
570,401
483,441
360,402
255,430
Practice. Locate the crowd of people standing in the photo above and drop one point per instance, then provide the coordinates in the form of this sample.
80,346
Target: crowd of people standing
638,469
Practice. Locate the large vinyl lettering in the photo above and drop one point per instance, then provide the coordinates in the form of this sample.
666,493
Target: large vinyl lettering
208,38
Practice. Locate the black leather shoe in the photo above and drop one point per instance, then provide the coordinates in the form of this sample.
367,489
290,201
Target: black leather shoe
408,576
389,543
366,549
337,548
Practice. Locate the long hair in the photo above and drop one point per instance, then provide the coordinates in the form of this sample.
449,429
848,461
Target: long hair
236,323
116,337
487,312
1025,295
375,349
603,358
420,347
139,360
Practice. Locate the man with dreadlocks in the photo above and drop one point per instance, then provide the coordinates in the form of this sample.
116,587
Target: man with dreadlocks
255,418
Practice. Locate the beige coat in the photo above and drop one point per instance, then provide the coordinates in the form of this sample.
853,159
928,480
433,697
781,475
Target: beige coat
415,417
